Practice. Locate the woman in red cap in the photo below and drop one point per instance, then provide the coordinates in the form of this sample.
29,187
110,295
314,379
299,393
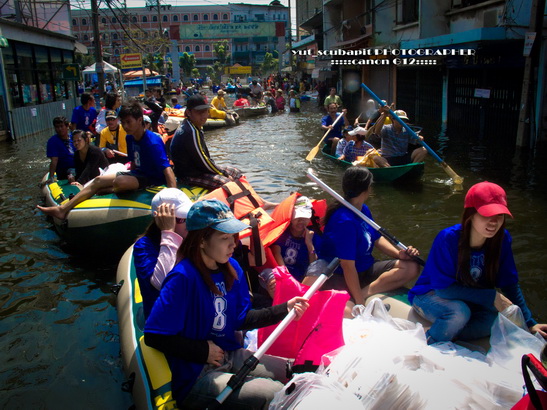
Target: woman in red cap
470,274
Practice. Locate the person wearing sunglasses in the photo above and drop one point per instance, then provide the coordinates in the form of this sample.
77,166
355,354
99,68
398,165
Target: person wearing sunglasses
155,252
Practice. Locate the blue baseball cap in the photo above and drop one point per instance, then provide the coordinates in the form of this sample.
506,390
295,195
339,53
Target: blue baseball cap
215,214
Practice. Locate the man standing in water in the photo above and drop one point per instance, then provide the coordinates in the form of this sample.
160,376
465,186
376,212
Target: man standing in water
149,165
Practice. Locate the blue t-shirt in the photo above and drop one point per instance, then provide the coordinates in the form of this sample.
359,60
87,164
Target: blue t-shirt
348,237
186,307
145,258
82,118
64,151
148,155
295,253
442,263
338,127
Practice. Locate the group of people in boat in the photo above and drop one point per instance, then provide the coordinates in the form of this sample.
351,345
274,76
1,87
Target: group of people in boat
196,296
383,142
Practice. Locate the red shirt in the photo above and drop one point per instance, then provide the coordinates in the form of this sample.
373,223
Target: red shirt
242,102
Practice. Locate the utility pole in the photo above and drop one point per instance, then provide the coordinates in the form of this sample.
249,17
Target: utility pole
99,68
525,116
161,37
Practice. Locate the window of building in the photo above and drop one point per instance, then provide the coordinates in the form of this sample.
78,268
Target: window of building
215,17
114,36
125,20
103,20
84,22
144,19
175,17
154,18
187,49
205,17
113,20
259,17
207,48
407,11
197,49
185,17
74,22
165,18
86,37
117,52
134,19
196,17
225,16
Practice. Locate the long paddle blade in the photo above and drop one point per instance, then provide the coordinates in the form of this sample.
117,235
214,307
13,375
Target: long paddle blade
458,180
315,149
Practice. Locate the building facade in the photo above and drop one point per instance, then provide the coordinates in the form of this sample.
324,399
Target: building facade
192,29
475,91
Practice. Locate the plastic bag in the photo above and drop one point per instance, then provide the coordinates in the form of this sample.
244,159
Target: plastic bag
509,343
313,391
514,314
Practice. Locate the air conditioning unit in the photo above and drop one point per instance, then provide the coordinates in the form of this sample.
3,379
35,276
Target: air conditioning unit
491,18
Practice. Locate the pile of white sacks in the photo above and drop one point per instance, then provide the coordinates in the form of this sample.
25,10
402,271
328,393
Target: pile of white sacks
387,364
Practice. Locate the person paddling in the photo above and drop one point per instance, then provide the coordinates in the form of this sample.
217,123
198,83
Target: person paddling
470,274
203,302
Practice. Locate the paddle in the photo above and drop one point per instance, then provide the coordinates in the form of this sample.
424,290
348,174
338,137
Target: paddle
121,154
357,212
250,364
315,149
455,177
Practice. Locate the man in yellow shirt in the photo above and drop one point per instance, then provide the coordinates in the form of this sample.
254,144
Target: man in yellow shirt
112,140
218,108
333,98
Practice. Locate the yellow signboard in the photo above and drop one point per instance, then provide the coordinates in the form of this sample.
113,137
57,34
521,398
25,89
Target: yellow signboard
133,60
226,30
238,70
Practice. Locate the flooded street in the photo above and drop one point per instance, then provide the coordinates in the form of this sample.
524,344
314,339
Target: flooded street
59,326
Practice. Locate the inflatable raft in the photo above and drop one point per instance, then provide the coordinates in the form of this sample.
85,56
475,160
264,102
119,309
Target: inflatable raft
146,369
210,124
109,222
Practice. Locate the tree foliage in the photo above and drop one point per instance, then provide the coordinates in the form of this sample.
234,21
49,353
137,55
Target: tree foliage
221,52
187,63
269,65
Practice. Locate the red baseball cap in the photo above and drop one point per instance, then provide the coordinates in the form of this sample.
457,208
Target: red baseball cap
488,199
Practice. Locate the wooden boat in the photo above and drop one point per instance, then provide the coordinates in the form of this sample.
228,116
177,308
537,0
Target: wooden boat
246,112
109,222
398,173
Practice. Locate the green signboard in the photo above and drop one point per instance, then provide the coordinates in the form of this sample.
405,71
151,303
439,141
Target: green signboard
228,30
71,72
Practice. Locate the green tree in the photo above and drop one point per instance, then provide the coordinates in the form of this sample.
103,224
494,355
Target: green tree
221,52
269,65
187,63
195,73
150,61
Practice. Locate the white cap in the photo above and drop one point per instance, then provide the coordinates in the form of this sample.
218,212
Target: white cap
146,118
302,207
175,197
357,130
171,124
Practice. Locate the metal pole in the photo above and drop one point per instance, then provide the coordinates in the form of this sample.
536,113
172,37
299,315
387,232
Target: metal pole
99,68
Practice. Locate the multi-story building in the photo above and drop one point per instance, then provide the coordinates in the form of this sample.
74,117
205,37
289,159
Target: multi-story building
478,88
251,30
36,48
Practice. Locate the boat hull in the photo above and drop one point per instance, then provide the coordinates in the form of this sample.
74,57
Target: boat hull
248,112
398,173
109,222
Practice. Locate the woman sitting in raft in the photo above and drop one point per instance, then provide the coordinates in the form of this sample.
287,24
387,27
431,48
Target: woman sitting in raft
88,159
202,303
356,147
155,252
466,264
349,238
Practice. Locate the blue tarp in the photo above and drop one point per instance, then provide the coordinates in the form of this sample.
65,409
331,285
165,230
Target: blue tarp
138,83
